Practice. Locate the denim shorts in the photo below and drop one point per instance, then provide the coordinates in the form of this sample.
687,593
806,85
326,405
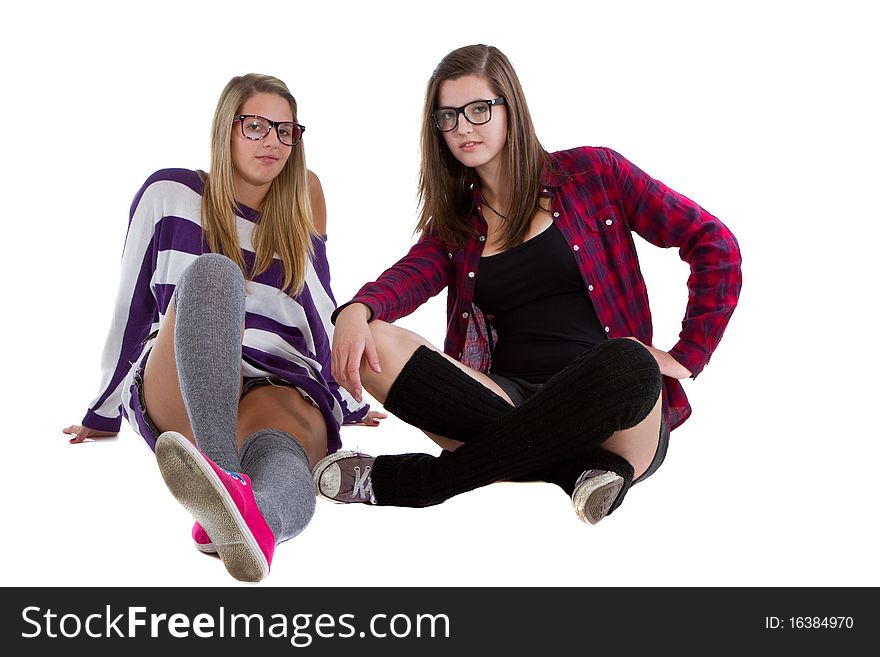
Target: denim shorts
519,391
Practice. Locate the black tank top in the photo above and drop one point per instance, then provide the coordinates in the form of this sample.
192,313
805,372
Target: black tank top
535,298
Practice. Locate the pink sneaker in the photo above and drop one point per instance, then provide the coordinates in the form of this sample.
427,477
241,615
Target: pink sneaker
223,505
202,540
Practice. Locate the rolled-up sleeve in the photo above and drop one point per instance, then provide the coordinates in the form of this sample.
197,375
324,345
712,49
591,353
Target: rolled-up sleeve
421,274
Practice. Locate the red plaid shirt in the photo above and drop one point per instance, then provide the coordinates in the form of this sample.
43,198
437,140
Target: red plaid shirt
597,198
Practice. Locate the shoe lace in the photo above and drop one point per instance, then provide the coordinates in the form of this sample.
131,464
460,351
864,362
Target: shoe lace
363,484
236,475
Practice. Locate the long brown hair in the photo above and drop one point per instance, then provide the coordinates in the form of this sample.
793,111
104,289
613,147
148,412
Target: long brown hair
444,182
286,226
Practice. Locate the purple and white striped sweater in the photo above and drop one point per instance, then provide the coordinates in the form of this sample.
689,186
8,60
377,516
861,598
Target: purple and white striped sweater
288,337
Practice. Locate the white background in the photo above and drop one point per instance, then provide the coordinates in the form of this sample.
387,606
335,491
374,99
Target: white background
764,113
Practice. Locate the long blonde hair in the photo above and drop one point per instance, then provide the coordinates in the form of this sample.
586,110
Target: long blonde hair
286,226
444,182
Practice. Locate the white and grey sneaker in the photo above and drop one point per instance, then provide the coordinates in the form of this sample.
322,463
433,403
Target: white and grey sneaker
345,477
594,493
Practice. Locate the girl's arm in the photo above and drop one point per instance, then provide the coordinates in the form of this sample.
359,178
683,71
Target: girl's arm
666,218
134,312
421,274
414,279
353,411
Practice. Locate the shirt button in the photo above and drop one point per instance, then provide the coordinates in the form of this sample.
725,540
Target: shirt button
472,186
450,256
608,222
544,190
556,214
459,355
470,274
576,247
465,315
590,288
482,238
607,329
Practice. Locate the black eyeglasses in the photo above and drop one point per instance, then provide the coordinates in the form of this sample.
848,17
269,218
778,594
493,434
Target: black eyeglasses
477,112
257,127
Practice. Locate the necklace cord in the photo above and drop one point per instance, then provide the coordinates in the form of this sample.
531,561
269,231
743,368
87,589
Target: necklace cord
486,203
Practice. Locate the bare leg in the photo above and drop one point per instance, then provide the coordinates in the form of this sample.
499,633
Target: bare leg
638,444
161,384
285,409
162,395
263,407
395,346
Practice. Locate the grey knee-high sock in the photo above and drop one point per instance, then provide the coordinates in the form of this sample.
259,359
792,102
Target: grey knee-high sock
209,302
282,481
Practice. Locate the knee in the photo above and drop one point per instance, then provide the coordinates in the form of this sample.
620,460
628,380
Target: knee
309,432
216,268
638,375
388,338
635,363
211,272
382,332
629,351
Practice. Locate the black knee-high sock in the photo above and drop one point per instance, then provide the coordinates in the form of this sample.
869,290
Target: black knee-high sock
613,387
434,395
566,473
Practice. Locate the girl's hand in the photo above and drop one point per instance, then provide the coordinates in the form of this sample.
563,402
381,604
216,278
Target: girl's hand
352,342
81,433
371,420
668,365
